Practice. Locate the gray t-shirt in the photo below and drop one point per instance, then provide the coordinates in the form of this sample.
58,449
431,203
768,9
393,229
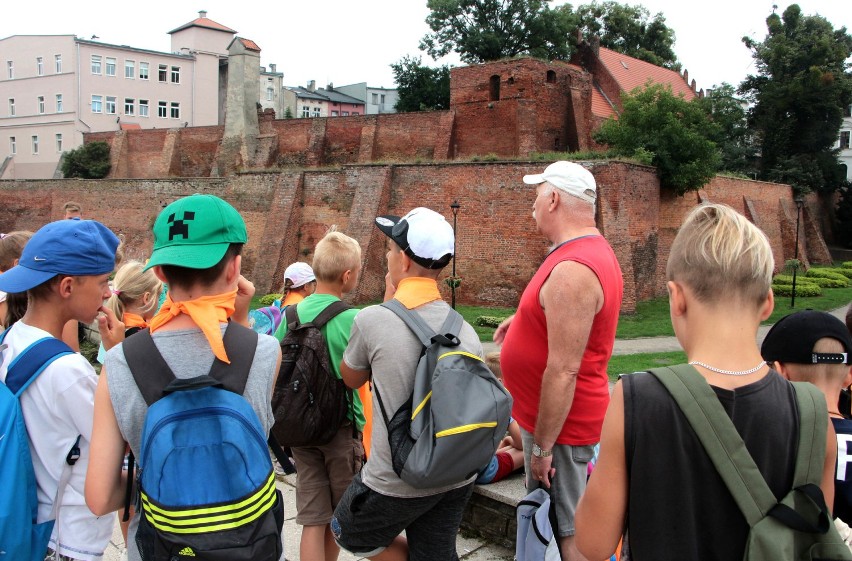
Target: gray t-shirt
382,343
188,354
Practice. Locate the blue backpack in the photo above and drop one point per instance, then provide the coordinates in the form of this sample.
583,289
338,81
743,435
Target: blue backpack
265,320
205,479
21,538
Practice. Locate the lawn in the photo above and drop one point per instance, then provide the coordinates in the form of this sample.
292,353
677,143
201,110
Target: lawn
624,364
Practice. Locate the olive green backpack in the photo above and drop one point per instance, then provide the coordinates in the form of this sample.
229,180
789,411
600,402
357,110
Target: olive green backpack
797,528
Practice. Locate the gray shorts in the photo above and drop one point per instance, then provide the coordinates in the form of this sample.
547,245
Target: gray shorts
569,482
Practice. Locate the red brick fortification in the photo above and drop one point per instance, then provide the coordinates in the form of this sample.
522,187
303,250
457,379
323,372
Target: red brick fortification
498,248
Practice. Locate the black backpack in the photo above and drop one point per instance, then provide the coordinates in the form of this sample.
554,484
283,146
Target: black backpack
309,402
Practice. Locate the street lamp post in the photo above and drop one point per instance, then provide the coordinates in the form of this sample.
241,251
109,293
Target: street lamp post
455,206
800,202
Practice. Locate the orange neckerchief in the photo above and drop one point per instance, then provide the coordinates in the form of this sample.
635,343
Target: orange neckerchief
207,312
134,320
416,291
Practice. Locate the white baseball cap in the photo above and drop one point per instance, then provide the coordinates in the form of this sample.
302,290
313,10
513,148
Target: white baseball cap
572,178
423,234
300,273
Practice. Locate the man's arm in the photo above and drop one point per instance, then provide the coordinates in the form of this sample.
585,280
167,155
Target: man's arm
351,377
105,481
570,297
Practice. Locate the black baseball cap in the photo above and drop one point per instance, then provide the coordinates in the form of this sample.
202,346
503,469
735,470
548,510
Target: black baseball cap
793,337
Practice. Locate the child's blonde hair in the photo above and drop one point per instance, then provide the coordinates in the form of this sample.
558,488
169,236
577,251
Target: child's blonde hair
130,285
492,361
719,254
11,247
335,254
832,374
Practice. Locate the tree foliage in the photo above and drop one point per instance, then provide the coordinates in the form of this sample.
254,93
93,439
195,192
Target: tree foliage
731,134
89,161
799,91
420,87
672,132
629,30
484,30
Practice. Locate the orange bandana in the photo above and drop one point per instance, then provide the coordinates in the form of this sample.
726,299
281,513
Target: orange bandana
207,312
134,320
416,291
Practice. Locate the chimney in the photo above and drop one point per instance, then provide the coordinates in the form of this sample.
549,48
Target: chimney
686,76
202,14
330,87
262,69
312,85
595,44
272,67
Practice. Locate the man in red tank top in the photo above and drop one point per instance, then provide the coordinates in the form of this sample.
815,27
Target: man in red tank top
557,346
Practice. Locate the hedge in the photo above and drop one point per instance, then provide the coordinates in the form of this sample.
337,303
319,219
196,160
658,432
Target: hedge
846,265
801,290
825,282
787,280
488,321
827,274
270,299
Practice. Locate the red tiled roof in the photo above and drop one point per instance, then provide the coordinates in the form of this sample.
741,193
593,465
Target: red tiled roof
600,106
249,44
203,22
130,126
631,73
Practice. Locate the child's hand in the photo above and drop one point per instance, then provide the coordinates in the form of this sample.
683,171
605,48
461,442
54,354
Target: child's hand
110,328
245,292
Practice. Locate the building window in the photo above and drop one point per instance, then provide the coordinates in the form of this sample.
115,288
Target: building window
110,66
58,142
97,104
163,73
844,140
175,74
59,103
96,64
317,112
40,66
494,88
57,60
110,105
143,70
13,146
129,104
130,69
375,99
41,105
143,107
382,98
35,144
355,113
162,109
847,111
11,106
551,77
334,114
344,114
175,113
306,111
10,66
270,93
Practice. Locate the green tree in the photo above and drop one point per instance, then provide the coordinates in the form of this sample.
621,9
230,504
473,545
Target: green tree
671,133
798,95
89,161
731,135
288,113
421,88
629,30
484,30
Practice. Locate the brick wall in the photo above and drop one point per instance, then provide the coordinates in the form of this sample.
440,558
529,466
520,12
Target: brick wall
498,248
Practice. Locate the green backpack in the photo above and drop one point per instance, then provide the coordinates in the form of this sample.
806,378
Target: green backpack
797,528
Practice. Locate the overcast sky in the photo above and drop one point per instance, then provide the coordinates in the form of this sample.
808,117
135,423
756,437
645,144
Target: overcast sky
345,41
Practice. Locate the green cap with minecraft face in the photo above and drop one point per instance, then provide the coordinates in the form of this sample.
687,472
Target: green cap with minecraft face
195,232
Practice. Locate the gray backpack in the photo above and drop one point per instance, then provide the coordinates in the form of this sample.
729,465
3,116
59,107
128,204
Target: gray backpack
457,414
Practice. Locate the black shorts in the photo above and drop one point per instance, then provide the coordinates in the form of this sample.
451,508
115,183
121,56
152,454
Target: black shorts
366,522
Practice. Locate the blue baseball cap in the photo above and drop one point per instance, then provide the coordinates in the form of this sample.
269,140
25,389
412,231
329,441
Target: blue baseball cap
64,247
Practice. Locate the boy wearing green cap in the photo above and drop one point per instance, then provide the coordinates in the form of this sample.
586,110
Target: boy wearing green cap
197,246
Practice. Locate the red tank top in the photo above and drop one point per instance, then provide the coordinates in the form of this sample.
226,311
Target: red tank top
524,354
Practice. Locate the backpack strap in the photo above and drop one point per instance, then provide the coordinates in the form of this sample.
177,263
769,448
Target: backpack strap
29,363
449,330
329,312
729,455
152,374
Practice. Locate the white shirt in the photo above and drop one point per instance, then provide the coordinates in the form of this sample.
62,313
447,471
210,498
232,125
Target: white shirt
58,406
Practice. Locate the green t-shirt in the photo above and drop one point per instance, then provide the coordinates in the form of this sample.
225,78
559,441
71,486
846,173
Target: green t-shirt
336,333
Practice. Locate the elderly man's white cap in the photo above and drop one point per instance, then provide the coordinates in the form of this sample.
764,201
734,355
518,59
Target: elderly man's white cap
572,178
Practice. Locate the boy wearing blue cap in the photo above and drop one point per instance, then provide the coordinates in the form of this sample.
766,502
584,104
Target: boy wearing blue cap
64,269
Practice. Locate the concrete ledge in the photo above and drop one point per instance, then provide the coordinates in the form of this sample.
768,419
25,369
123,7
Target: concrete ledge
490,513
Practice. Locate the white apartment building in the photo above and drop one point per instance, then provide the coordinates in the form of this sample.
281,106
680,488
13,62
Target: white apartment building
843,142
376,100
54,88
